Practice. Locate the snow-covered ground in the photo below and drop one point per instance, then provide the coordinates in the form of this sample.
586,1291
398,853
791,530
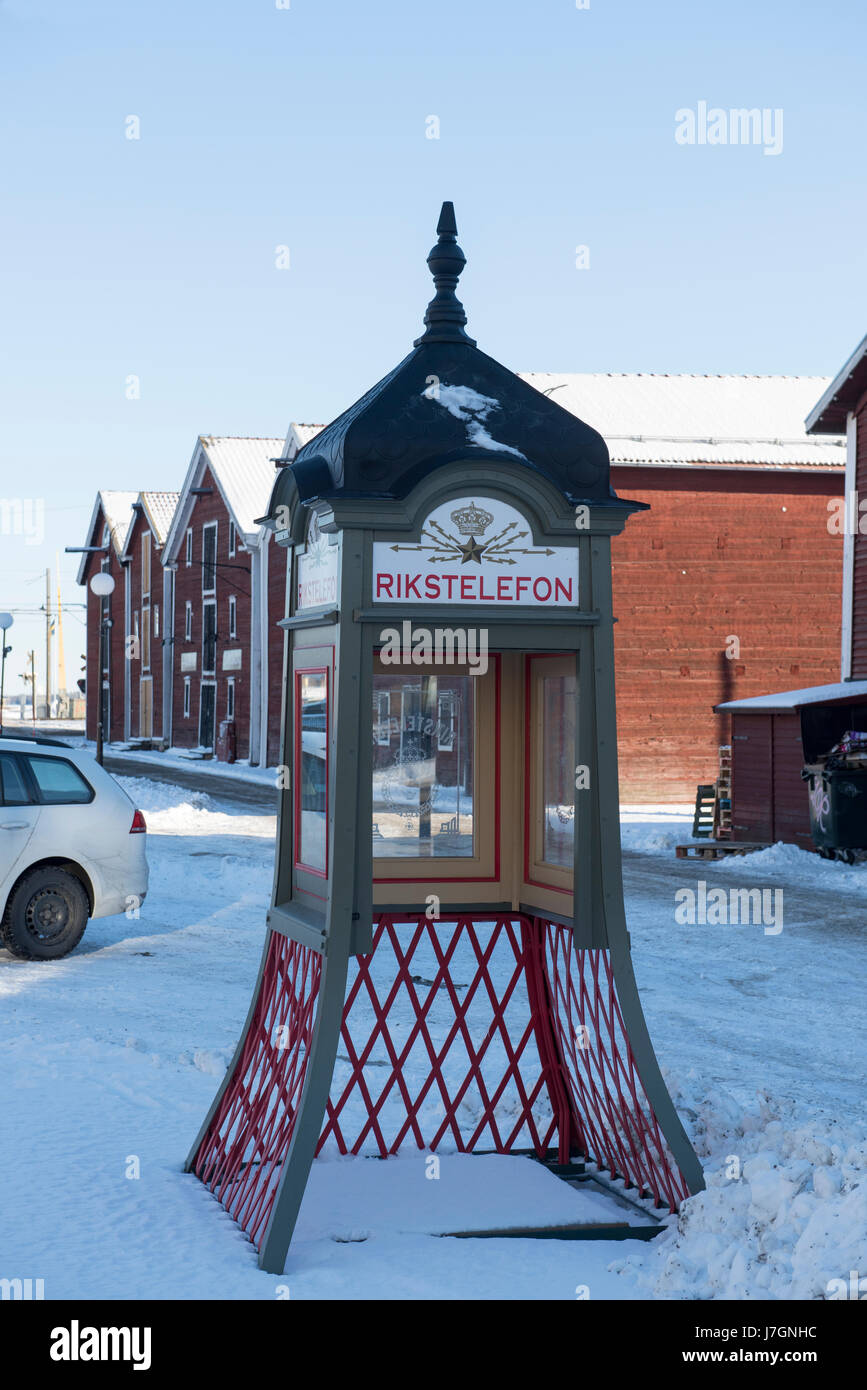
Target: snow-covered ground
112,1056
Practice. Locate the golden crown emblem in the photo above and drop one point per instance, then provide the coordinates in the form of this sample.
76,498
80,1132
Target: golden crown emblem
471,520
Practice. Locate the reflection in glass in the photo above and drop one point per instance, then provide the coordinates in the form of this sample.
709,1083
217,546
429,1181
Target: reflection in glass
423,766
558,783
312,714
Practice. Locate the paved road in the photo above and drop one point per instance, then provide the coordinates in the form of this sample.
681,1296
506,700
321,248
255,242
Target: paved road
223,786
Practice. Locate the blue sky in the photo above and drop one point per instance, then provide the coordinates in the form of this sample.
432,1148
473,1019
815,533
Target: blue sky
306,127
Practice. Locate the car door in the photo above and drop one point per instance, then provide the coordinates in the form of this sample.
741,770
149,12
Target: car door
19,814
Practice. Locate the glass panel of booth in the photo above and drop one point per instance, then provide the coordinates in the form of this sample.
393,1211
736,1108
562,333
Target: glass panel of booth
311,769
551,688
433,772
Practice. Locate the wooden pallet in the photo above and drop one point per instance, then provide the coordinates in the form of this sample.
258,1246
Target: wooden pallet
705,812
718,850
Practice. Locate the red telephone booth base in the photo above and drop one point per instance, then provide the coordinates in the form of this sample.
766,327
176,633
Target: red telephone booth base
491,1033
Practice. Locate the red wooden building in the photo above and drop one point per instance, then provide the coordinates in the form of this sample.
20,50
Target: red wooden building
147,604
228,596
729,584
106,537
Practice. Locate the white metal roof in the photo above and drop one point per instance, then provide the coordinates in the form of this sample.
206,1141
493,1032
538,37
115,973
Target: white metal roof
796,699
723,421
297,436
244,471
160,509
116,507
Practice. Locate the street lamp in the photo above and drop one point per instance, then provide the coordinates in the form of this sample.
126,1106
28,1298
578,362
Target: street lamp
102,585
6,621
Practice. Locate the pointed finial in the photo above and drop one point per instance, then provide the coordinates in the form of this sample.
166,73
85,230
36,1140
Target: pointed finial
445,317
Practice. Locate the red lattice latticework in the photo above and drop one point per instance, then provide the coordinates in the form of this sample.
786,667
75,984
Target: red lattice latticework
474,1034
243,1149
619,1129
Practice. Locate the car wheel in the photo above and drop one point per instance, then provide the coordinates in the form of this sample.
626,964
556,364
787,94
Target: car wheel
46,915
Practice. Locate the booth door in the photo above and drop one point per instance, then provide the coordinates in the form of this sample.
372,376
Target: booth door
549,783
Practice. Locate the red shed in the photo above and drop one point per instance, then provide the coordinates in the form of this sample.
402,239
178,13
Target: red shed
769,796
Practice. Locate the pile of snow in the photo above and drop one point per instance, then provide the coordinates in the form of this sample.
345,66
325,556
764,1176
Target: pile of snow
784,1214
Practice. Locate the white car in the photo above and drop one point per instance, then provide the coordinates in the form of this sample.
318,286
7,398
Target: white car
72,846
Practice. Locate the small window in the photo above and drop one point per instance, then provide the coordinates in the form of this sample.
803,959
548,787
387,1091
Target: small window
188,622
230,699
145,639
233,616
146,565
13,792
156,620
59,783
189,547
209,557
186,697
231,538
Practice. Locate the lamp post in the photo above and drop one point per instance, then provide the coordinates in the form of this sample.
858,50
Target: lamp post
6,621
102,585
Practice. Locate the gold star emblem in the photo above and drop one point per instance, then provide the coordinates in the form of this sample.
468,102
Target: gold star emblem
471,551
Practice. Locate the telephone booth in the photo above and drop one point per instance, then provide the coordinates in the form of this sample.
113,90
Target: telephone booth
446,962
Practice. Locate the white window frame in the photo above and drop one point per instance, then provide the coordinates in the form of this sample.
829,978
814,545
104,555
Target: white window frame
187,696
188,621
232,538
230,698
233,616
189,552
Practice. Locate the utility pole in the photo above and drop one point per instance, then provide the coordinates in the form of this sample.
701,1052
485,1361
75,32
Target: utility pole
48,644
31,681
61,664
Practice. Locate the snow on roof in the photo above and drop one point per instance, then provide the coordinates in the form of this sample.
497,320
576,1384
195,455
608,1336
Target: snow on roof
160,509
796,699
727,421
244,471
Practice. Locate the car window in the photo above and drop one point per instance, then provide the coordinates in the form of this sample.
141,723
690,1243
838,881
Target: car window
59,783
13,792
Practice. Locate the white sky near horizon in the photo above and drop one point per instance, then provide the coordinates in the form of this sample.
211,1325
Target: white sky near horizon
306,127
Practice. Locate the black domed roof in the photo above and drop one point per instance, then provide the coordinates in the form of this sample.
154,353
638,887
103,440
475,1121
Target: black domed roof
448,401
